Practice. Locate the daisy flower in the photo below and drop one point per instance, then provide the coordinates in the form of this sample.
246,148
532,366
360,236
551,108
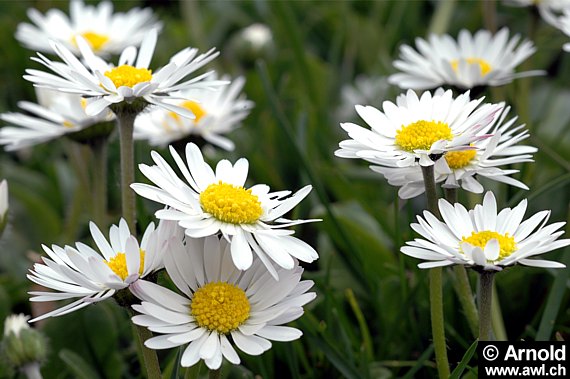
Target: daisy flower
56,114
461,168
93,276
549,9
221,307
483,238
416,129
209,202
563,23
105,32
474,60
131,81
216,112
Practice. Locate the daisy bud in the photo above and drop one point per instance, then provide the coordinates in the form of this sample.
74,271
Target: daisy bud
23,348
255,41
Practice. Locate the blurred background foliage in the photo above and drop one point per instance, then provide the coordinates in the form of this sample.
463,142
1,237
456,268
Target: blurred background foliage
371,318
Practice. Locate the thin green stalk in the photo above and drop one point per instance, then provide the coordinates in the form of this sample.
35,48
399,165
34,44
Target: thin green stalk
366,339
32,370
126,126
465,294
461,283
485,302
215,374
490,15
436,286
499,330
193,372
99,181
437,323
442,16
147,356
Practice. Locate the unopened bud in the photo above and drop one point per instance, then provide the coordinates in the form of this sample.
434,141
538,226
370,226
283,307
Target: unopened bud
22,345
253,42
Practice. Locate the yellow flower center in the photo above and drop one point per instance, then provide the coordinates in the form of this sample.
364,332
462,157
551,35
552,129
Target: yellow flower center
484,66
193,107
119,264
459,159
95,40
507,244
220,307
231,204
68,124
422,134
128,76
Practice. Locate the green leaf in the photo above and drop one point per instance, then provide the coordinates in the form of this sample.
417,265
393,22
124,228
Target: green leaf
456,374
77,365
553,303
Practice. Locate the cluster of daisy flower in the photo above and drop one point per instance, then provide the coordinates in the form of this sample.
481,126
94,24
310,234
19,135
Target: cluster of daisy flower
435,137
226,247
461,140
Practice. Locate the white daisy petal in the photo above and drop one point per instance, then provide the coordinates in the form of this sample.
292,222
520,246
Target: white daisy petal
91,276
253,300
214,202
485,239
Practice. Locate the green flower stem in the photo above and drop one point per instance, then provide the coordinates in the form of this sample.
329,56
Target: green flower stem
435,286
215,374
461,283
485,302
146,356
465,294
126,126
32,371
490,15
431,190
499,330
99,181
193,372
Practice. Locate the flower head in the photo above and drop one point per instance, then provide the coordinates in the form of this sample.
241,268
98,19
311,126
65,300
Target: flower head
131,84
482,59
216,112
483,238
220,303
56,114
210,202
416,129
563,23
105,32
93,276
462,168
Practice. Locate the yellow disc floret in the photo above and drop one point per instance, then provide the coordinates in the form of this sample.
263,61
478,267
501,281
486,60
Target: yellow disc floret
459,159
193,107
231,204
119,264
128,76
507,244
220,307
95,40
484,66
422,134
